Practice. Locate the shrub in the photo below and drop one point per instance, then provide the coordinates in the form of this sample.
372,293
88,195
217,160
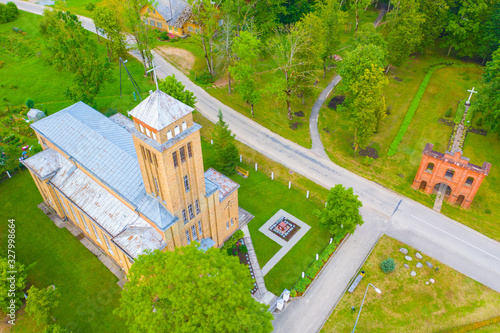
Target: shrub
110,111
479,122
205,78
293,293
448,112
90,6
368,161
8,12
164,36
388,265
30,103
460,112
314,269
230,243
302,284
243,249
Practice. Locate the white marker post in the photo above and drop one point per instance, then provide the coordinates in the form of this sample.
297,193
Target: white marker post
290,184
307,195
241,158
272,175
255,166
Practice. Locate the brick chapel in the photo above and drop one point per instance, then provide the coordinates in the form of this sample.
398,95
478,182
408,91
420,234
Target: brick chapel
133,185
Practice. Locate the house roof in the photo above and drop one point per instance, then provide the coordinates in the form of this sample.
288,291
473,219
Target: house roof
225,185
100,205
160,110
34,112
107,151
175,12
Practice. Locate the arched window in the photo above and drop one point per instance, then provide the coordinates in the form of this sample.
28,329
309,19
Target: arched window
449,174
430,167
184,126
177,130
469,181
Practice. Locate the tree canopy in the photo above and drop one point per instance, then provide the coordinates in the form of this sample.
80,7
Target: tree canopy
189,290
171,86
341,215
7,266
225,150
40,303
488,99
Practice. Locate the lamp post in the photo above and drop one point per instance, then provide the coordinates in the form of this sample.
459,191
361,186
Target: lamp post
378,292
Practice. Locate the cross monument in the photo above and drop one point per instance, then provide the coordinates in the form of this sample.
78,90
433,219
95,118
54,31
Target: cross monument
471,92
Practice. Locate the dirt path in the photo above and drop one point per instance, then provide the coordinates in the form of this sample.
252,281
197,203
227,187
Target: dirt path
182,59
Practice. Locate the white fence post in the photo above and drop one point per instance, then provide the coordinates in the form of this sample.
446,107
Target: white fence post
303,274
272,175
241,158
290,184
317,256
212,142
307,195
255,166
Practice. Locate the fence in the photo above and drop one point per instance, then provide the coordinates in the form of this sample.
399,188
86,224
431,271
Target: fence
4,176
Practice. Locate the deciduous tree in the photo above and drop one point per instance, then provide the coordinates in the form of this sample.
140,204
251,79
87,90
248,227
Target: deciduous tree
171,86
108,23
341,215
6,282
358,5
488,98
40,303
188,290
225,150
224,47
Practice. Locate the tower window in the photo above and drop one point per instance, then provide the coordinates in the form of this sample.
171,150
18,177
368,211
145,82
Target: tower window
169,135
191,213
148,133
174,157
184,126
190,151
232,222
154,135
469,181
183,154
186,183
227,225
177,130
193,231
197,206
142,128
156,185
200,230
155,162
188,239
149,156
184,216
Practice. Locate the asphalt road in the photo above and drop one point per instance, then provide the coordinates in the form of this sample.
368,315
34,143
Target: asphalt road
384,211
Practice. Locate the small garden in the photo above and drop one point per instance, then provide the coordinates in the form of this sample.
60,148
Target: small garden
434,299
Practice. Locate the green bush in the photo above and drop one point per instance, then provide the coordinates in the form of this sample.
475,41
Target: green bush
231,242
205,78
368,160
448,112
30,103
90,6
293,293
479,122
388,265
460,112
302,284
244,249
164,36
469,115
8,12
314,269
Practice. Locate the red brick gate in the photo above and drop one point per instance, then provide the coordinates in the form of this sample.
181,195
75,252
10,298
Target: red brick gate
455,171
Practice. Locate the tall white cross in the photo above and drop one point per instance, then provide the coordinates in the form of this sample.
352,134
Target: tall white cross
471,92
154,71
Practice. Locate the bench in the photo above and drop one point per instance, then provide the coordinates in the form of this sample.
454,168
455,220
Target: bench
244,173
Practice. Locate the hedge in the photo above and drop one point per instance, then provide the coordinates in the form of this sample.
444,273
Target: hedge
460,112
469,116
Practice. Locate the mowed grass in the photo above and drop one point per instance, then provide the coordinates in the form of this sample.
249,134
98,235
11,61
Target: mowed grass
263,197
406,303
27,74
89,292
446,88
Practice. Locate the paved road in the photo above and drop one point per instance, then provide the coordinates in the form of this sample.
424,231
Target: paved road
384,211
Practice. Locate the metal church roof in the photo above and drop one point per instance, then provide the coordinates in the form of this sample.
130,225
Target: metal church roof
160,110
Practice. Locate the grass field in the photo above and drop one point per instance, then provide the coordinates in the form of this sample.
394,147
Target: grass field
406,303
446,87
26,73
89,292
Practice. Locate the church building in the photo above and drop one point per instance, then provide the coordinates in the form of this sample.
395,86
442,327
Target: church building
133,185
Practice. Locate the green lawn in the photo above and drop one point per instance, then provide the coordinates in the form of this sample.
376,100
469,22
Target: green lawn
406,303
446,87
89,292
263,197
26,74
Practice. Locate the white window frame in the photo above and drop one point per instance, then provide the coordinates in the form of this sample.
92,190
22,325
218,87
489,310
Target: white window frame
84,223
193,231
184,216
227,225
232,222
142,128
159,24
73,211
184,126
148,132
177,130
169,135
200,229
154,135
191,212
152,23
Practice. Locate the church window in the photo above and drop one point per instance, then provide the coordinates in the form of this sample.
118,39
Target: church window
149,156
148,133
183,154
154,135
232,222
197,205
156,185
430,167
193,231
190,151
176,130
107,243
186,183
200,230
174,156
84,223
96,234
227,225
152,22
469,181
184,216
188,239
449,174
142,128
191,213
64,206
169,135
155,161
184,126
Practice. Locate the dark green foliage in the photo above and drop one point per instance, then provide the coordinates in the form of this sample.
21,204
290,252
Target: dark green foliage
448,112
40,303
205,78
231,242
30,103
243,249
302,284
8,12
460,112
488,99
164,35
314,269
225,150
171,86
388,265
6,295
368,160
479,122
90,6
54,328
110,112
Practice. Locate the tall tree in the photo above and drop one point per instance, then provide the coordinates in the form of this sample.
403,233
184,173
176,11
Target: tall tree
106,19
490,34
488,99
8,297
225,54
225,150
406,32
171,86
265,16
206,15
246,50
40,303
286,48
368,34
341,214
71,48
358,5
435,13
188,290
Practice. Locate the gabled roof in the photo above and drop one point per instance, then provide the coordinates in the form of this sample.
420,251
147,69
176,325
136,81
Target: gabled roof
175,12
160,110
107,151
35,112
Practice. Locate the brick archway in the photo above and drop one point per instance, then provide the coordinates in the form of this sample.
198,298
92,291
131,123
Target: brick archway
463,178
